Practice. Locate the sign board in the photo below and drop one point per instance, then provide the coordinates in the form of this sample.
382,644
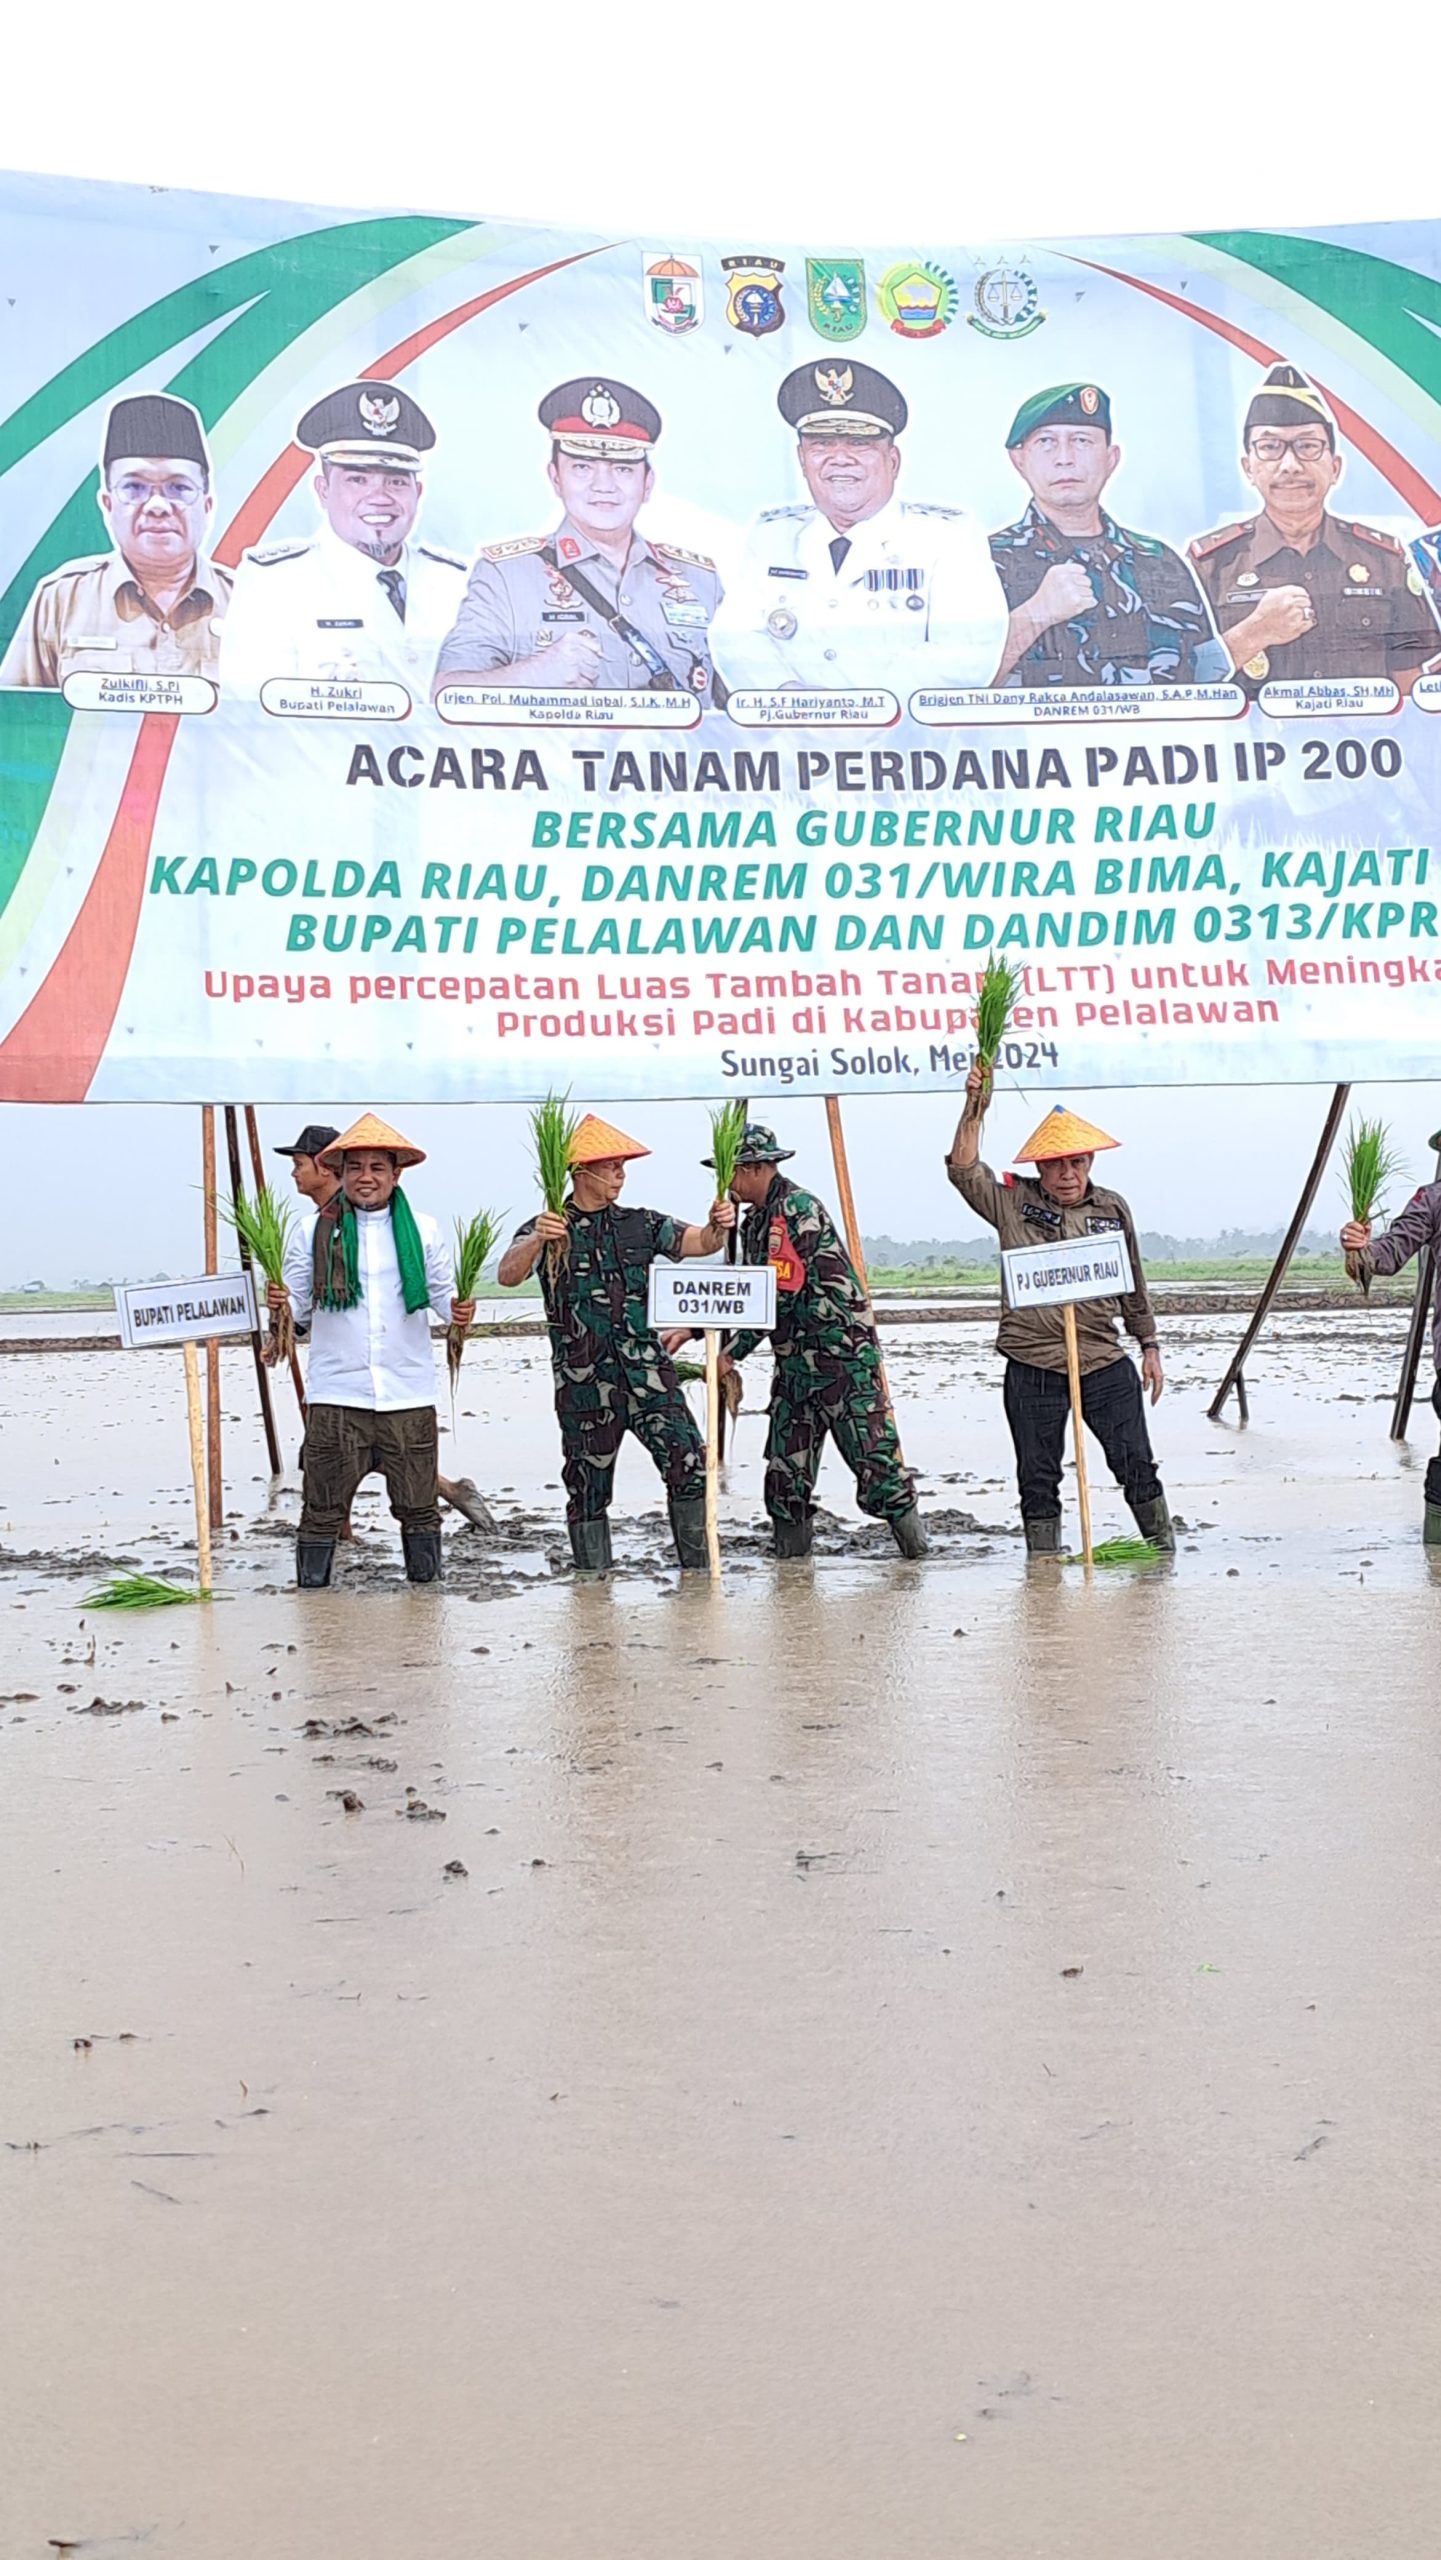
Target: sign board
760,836
219,1307
1058,1275
713,1294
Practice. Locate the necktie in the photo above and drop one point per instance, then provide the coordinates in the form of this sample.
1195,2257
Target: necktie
839,548
393,582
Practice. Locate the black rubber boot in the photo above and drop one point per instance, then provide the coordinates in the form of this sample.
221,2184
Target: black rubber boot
1043,1537
687,1523
909,1533
422,1555
313,1560
793,1537
590,1545
1153,1519
1431,1525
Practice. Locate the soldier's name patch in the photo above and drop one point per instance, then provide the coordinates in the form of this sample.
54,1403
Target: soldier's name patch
339,622
556,613
774,572
684,616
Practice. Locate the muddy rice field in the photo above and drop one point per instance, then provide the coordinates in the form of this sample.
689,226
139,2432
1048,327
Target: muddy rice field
870,2062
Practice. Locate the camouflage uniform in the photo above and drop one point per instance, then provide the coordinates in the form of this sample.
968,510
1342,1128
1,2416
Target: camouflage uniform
828,1362
611,1375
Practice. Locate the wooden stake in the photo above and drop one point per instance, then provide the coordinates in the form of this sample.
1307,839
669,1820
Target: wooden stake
1234,1376
212,1349
262,1374
197,1465
712,1449
257,1164
1416,1331
853,1233
1078,1427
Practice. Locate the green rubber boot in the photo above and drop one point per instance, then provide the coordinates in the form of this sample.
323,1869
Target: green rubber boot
1043,1537
1431,1525
590,1545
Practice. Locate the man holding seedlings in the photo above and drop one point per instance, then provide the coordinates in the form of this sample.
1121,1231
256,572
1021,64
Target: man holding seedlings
367,1272
612,1374
1062,1201
828,1364
1417,1230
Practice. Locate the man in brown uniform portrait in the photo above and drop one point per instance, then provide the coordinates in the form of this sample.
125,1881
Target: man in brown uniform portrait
1298,592
154,604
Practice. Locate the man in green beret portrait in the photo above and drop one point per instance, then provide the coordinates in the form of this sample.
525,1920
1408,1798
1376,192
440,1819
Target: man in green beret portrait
1090,602
153,604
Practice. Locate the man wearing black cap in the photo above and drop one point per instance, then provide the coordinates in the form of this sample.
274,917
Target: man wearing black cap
154,604
1299,592
860,588
1091,603
594,602
362,601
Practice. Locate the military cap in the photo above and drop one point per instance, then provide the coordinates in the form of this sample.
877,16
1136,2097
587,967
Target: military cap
313,1140
153,425
599,418
1287,399
834,398
365,420
1066,404
758,1146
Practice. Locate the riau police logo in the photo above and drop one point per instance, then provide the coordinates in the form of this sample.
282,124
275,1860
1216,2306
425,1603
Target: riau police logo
919,300
673,296
836,297
754,288
1007,302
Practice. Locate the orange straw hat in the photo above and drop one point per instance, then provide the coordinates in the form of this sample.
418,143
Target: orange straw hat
596,1142
1063,1133
368,1131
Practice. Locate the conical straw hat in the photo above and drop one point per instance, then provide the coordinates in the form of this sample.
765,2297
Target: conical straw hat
1063,1133
368,1131
596,1142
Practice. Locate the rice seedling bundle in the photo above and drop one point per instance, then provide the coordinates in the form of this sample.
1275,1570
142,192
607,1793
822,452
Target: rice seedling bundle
552,1129
138,1591
263,1226
727,1129
1000,986
475,1241
1122,1551
1368,1163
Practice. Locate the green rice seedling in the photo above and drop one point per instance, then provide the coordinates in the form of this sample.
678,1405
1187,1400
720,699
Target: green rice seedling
727,1129
475,1241
552,1129
1121,1551
1368,1163
140,1591
1000,986
263,1226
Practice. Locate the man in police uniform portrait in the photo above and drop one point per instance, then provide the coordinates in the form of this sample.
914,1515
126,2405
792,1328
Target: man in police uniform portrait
1299,592
362,600
594,602
153,605
1091,603
860,588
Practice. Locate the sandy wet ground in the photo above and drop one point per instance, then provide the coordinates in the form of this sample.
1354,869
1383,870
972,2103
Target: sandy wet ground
920,2061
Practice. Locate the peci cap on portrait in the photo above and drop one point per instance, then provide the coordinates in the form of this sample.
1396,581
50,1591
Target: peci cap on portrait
153,425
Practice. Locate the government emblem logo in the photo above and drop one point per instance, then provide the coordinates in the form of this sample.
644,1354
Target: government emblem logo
836,297
673,294
754,287
1007,302
378,417
600,408
834,384
919,300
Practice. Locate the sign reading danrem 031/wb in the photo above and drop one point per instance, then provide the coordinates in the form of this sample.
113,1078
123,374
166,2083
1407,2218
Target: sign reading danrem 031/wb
438,650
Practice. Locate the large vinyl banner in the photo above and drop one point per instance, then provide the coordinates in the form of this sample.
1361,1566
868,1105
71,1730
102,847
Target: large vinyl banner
451,660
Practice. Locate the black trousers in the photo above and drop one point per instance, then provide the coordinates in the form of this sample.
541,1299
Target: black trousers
344,1443
1038,1404
1433,1472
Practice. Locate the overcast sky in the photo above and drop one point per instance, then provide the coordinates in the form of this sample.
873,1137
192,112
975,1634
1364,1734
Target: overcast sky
801,123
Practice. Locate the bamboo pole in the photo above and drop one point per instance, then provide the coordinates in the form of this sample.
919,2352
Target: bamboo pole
262,1374
1416,1330
212,1349
712,1449
853,1233
1234,1377
257,1162
1078,1427
197,1466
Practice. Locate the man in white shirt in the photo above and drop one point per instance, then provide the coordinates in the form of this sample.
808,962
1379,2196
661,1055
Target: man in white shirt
861,589
363,602
368,1273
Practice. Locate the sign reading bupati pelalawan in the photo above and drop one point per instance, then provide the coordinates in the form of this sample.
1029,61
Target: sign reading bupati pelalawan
219,1308
465,661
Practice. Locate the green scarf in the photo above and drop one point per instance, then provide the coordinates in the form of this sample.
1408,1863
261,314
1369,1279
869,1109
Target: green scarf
336,1264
